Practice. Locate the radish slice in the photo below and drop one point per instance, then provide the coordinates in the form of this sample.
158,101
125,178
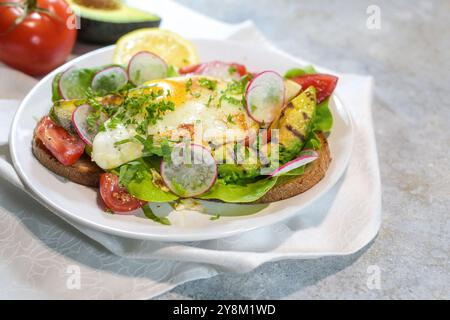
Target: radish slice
306,157
191,170
71,84
79,120
109,80
264,97
217,69
145,66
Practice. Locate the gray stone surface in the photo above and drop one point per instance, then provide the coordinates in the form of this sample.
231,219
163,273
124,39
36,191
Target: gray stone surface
410,60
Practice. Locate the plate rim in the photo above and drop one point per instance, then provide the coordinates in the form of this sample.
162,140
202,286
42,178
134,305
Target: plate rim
67,215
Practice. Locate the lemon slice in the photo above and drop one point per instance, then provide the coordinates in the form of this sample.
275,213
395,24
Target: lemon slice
173,48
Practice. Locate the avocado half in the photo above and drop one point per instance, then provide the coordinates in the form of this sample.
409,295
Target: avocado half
105,21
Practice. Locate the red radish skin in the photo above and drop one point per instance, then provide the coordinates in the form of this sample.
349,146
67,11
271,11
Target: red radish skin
251,86
241,70
107,69
212,182
296,163
79,121
137,55
59,83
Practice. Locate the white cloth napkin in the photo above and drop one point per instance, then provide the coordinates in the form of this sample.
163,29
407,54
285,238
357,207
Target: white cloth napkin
42,256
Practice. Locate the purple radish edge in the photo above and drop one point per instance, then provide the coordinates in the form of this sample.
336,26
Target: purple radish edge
212,183
276,171
77,129
140,53
60,91
107,68
248,89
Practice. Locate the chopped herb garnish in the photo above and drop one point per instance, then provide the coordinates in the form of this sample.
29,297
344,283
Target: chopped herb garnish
230,99
230,119
146,106
207,83
232,70
209,100
188,85
118,143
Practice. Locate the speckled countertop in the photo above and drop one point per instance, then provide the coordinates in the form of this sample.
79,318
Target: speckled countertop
409,57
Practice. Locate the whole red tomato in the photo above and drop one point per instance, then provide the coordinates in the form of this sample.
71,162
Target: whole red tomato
36,36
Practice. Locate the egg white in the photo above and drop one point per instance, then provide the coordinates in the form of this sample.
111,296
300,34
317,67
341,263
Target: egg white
199,113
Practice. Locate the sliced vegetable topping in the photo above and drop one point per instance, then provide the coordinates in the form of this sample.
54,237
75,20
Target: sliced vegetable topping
87,122
217,69
116,197
73,83
62,145
264,97
324,84
306,156
109,80
145,66
190,171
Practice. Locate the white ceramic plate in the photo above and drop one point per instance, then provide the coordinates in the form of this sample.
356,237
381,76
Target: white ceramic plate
78,203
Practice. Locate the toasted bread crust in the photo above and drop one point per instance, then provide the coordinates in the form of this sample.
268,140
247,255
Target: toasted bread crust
313,174
84,171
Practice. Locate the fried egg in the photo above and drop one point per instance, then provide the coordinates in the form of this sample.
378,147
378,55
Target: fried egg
204,110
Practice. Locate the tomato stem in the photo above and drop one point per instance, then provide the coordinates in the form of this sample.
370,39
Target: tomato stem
31,4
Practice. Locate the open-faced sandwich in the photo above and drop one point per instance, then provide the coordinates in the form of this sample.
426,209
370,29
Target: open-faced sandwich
150,129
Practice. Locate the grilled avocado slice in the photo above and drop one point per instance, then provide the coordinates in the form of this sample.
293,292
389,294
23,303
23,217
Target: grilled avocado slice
61,113
295,124
62,110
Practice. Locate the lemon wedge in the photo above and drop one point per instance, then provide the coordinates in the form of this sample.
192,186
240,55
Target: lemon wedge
171,47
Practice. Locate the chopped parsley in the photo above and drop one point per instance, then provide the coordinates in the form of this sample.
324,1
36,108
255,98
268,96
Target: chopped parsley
161,148
230,119
188,85
144,107
207,83
232,70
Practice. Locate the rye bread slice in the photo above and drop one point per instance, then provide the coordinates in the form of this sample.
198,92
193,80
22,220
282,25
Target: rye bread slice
84,171
313,174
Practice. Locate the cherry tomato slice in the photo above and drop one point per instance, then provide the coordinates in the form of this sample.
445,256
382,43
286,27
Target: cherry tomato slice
62,145
116,197
324,84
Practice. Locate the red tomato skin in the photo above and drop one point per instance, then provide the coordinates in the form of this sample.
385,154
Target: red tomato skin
190,69
40,43
324,84
61,144
116,197
240,68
